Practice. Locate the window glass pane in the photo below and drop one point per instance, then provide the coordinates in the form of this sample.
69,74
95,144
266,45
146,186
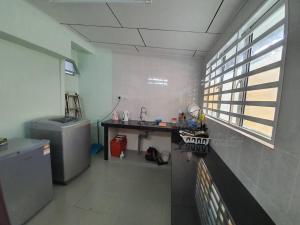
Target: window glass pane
214,114
267,41
209,105
228,44
206,91
210,97
258,128
229,64
219,70
269,22
205,104
206,84
256,16
224,117
267,113
269,94
217,80
212,82
215,106
219,62
234,120
226,97
228,75
235,108
241,70
242,56
207,71
231,52
69,68
213,66
216,97
243,43
237,96
205,98
266,59
213,75
209,112
264,77
207,78
227,86
239,83
217,88
225,107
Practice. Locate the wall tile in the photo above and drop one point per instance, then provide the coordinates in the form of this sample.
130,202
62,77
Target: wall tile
294,209
277,177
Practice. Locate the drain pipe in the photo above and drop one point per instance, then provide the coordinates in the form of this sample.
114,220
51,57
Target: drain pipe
143,135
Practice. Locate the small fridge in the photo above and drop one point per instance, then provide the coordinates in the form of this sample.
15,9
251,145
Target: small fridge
25,178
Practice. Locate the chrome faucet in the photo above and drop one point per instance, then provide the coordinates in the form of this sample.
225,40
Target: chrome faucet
143,113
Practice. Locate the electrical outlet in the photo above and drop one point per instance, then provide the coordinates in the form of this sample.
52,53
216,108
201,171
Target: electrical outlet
122,98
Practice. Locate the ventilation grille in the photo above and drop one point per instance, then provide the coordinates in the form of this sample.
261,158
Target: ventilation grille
211,208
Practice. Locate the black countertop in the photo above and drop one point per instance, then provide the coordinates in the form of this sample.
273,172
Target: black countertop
244,209
135,124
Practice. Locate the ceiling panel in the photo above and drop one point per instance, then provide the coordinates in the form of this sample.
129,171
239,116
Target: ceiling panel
226,13
178,40
185,15
117,48
110,35
78,13
162,51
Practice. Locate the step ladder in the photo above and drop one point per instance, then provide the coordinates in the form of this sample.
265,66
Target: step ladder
72,107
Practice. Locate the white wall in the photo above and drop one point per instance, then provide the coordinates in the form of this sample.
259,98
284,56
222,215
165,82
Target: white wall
30,87
95,86
130,80
272,176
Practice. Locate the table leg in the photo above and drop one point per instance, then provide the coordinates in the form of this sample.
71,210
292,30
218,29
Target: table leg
105,143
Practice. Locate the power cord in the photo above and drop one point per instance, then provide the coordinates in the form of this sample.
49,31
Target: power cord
101,120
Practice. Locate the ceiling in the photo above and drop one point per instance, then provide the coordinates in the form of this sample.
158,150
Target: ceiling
171,27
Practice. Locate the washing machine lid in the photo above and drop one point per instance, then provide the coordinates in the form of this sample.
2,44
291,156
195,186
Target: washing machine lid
21,145
64,119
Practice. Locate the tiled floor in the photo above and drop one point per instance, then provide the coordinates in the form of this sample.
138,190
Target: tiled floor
127,192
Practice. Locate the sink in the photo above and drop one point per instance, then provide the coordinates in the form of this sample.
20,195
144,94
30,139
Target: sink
147,123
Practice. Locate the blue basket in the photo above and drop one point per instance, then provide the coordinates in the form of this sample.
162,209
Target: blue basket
96,148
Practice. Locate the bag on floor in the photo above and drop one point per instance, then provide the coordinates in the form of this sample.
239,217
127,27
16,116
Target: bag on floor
152,154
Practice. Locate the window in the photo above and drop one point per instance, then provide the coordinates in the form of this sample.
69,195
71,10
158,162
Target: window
244,79
70,67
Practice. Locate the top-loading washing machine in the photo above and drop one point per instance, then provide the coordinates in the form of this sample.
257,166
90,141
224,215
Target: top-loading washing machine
70,140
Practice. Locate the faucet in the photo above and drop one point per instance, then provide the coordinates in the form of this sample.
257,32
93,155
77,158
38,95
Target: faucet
143,113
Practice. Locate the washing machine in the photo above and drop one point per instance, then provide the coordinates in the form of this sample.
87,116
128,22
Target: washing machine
70,140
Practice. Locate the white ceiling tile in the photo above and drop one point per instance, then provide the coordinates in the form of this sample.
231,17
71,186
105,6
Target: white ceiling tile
226,13
78,13
162,51
178,40
110,35
185,15
117,48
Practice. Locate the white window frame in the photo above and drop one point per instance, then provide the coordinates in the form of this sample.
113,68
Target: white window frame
270,142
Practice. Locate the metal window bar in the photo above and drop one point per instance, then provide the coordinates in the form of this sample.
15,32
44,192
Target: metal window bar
272,9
